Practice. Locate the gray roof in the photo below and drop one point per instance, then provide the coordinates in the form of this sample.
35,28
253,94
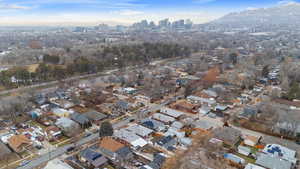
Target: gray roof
95,116
204,125
163,118
171,112
140,130
272,162
177,125
65,122
4,150
228,135
79,118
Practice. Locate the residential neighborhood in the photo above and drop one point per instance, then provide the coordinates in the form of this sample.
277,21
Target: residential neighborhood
151,128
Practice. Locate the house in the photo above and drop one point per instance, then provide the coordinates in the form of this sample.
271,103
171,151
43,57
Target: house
253,166
184,106
272,162
201,100
174,132
157,162
4,151
185,141
140,130
57,164
129,90
163,118
92,158
131,138
228,135
210,93
142,99
244,150
234,158
95,117
65,104
204,110
61,112
220,107
34,114
19,143
122,106
40,99
6,136
114,149
281,152
153,124
248,112
167,142
203,125
250,140
53,133
82,120
177,125
68,126
171,112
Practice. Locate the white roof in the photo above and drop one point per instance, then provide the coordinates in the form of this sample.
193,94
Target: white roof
163,118
272,162
171,112
286,153
177,125
202,100
56,163
139,143
130,137
60,112
147,167
253,166
173,132
139,130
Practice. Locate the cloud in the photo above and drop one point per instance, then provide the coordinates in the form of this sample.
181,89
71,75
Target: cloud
13,6
251,8
286,2
203,1
128,12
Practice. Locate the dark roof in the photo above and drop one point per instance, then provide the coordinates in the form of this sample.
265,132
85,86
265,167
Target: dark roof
79,118
157,161
122,104
167,141
123,152
93,157
4,150
40,99
249,112
94,115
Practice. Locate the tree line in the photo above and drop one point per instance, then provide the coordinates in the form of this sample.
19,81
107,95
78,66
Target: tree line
105,58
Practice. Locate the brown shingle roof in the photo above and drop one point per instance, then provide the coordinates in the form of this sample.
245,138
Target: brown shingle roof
15,142
110,144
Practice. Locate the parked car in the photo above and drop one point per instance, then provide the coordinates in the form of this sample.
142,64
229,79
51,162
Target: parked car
23,163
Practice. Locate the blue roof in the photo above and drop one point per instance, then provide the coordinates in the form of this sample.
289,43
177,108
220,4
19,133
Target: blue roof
90,155
148,124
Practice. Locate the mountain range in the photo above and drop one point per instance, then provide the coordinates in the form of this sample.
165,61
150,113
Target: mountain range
282,16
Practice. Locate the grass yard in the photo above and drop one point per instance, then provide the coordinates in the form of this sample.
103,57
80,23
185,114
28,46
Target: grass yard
248,159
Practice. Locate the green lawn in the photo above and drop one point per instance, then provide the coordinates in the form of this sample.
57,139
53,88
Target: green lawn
248,159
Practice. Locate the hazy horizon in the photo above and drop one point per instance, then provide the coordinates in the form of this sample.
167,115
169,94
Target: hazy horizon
113,12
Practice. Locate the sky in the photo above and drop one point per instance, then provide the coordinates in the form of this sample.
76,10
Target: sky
93,12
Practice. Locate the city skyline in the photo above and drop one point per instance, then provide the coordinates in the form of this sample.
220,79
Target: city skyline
113,12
